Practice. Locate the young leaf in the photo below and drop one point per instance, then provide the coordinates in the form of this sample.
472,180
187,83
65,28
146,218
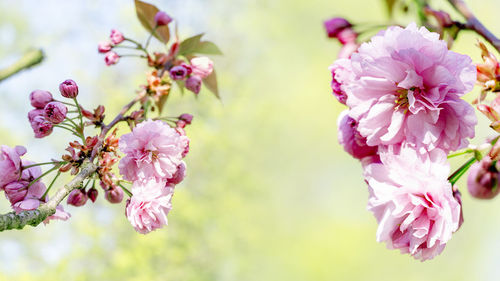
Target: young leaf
194,45
146,15
211,83
188,45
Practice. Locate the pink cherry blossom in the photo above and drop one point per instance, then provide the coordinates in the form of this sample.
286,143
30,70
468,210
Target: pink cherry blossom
152,150
60,214
202,66
412,201
407,87
116,37
111,58
351,140
10,163
149,205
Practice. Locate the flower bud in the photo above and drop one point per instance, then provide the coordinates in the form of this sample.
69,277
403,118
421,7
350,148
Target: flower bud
162,18
179,72
41,126
186,117
193,83
335,25
116,37
179,175
55,112
104,47
68,89
34,113
202,66
77,198
39,98
92,194
114,194
482,181
111,58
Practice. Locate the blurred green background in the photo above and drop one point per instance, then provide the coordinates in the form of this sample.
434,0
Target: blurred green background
270,195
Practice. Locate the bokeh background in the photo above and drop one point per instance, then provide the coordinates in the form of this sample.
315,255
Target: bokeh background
270,195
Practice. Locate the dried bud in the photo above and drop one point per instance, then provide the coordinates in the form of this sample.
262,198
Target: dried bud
55,112
111,58
92,194
68,89
162,18
482,181
114,194
179,72
77,198
193,83
116,37
41,126
104,47
40,98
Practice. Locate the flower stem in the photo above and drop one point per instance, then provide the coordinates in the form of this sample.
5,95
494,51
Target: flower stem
150,36
50,186
463,152
461,171
43,175
44,163
125,189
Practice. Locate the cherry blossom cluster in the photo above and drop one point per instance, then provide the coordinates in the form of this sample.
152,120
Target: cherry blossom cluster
145,165
403,89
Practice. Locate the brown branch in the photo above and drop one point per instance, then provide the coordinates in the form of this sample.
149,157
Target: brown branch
35,217
474,24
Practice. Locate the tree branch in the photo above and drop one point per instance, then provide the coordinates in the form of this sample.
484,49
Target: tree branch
35,217
474,24
29,59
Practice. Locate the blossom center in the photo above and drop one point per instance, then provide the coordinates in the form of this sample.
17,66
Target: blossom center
401,100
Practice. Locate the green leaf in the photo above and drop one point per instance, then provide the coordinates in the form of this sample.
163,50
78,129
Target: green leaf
207,48
211,83
188,45
146,14
194,45
161,103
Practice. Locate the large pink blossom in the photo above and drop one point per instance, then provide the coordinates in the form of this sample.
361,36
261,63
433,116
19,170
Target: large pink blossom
412,201
351,140
10,163
153,150
406,87
149,205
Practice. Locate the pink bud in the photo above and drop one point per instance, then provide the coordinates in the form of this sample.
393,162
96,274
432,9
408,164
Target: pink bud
55,112
41,126
482,181
335,25
162,18
92,194
347,36
34,113
186,117
202,66
77,198
111,58
68,89
193,83
116,37
114,194
179,72
178,175
40,98
104,47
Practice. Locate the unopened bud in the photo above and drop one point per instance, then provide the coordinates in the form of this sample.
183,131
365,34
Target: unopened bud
40,98
77,198
92,194
69,89
482,181
41,126
114,194
116,36
193,83
162,18
104,47
111,58
55,112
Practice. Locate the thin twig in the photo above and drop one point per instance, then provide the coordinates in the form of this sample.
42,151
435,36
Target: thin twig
474,24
